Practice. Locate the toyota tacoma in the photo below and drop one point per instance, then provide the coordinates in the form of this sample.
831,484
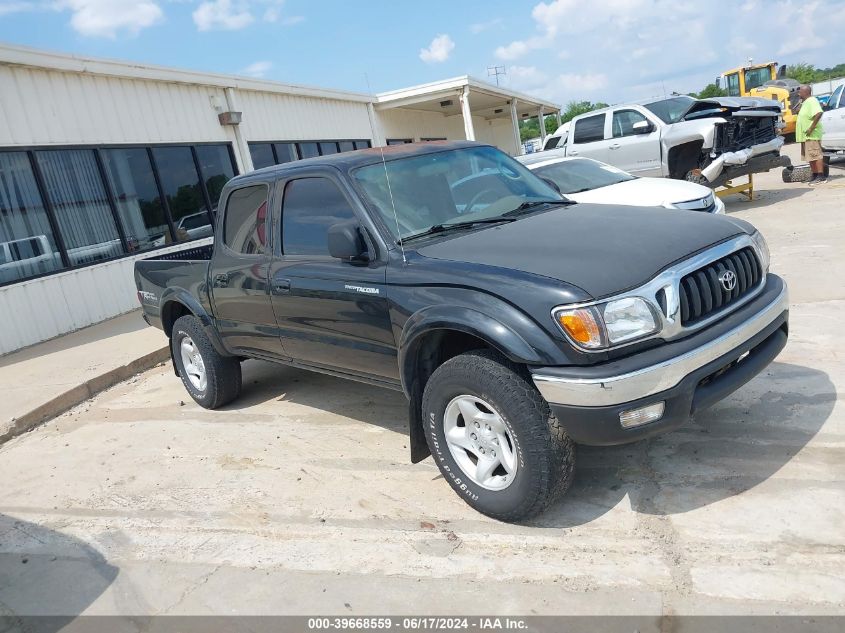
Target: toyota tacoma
518,323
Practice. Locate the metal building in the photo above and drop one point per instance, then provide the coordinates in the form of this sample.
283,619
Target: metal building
103,162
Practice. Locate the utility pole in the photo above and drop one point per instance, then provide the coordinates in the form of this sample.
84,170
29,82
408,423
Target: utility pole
496,71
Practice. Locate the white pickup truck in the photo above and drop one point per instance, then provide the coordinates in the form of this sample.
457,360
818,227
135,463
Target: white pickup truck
833,124
708,141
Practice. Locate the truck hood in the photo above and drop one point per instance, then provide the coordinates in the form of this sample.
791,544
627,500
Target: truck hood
732,106
602,249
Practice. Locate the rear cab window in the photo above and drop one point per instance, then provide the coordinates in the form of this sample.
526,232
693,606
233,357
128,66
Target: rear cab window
244,226
589,129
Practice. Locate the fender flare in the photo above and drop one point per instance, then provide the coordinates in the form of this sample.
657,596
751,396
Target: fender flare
182,297
510,342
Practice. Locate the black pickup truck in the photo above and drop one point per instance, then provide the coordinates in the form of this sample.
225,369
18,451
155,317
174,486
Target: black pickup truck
517,323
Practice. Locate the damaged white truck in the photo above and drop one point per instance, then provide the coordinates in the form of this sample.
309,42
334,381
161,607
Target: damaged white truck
708,141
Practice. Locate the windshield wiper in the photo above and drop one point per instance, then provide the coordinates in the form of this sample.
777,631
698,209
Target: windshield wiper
527,206
442,228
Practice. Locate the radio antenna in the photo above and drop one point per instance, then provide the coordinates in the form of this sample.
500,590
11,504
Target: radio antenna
393,204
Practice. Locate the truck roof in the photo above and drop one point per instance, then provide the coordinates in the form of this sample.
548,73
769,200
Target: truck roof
347,161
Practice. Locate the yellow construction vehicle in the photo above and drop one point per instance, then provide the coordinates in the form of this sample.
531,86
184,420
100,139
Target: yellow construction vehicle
766,81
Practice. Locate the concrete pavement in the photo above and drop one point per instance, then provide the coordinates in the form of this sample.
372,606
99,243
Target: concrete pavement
46,379
299,498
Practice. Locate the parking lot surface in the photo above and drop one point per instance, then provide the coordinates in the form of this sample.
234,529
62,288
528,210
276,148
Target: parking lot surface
300,498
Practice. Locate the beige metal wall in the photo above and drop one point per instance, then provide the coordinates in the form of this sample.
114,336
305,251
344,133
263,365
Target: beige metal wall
278,117
417,124
43,107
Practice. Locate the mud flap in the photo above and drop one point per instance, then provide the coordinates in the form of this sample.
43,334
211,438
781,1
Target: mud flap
418,443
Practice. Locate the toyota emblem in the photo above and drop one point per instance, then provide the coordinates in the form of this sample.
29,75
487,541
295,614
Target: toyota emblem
728,280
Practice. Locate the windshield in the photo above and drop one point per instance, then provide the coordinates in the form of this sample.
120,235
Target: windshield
671,110
462,185
756,77
582,174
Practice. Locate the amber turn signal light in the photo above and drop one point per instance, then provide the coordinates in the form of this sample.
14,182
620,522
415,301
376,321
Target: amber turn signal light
582,327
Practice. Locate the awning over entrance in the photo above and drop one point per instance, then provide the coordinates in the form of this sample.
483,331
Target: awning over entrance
470,97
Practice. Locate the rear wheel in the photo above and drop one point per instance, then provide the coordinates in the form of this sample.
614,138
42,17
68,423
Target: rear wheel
211,378
494,438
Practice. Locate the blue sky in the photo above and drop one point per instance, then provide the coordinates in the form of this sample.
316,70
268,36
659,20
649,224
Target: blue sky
563,50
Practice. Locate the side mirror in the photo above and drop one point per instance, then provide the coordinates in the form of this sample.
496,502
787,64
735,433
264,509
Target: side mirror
643,127
346,242
551,183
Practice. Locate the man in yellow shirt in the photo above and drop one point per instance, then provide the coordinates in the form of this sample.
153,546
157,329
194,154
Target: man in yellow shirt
808,132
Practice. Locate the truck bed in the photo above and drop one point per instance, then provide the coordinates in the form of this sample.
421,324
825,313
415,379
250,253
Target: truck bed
185,271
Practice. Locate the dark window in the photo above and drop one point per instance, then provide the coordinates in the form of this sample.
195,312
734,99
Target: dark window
79,200
346,146
246,212
216,168
311,206
132,182
434,138
308,150
623,122
262,155
757,77
589,129
552,142
181,186
836,100
733,84
27,247
328,147
399,141
362,145
286,152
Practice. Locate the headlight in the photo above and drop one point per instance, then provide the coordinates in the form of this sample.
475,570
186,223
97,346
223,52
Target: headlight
604,325
762,249
627,319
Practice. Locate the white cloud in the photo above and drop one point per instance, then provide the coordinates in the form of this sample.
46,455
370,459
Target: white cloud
222,15
107,18
582,83
519,48
7,8
439,49
273,14
257,69
526,77
479,27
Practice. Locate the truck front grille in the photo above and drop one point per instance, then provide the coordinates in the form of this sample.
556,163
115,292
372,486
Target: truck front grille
705,291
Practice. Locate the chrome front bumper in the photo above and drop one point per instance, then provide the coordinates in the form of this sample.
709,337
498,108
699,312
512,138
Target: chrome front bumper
626,387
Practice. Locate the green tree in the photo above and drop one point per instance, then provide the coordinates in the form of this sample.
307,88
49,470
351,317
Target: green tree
710,90
804,73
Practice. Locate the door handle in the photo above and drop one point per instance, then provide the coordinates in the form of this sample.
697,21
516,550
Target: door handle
221,280
615,146
281,286
573,152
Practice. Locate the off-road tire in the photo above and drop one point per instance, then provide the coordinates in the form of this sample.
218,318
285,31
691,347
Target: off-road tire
545,453
223,373
796,173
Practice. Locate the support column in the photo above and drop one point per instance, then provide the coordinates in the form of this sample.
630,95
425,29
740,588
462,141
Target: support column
542,120
469,130
515,124
557,116
243,157
375,127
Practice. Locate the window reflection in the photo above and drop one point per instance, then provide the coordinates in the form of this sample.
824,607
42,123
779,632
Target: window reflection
181,185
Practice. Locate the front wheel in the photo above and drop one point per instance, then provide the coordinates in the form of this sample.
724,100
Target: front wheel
494,438
211,378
